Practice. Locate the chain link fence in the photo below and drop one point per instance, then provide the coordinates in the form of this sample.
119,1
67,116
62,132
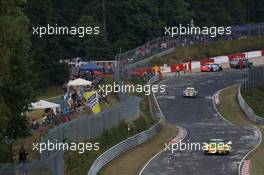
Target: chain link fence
85,128
161,44
253,78
129,143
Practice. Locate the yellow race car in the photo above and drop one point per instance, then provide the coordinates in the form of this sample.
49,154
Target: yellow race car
217,146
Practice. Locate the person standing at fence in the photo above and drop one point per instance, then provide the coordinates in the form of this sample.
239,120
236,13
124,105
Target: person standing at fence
184,67
177,71
189,67
240,62
23,154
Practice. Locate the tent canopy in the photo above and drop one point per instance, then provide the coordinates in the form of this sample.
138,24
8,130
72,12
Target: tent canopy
42,104
90,67
79,82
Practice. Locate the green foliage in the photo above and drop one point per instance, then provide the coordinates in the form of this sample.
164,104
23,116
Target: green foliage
16,74
79,163
6,153
255,99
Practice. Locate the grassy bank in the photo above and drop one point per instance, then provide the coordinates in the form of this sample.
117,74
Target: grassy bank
136,158
76,163
255,99
211,49
231,110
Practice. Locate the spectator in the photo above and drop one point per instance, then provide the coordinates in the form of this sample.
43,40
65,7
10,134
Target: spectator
177,71
34,124
23,155
184,67
240,64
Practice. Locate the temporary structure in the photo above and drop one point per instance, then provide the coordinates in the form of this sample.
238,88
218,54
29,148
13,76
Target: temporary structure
42,104
90,67
79,82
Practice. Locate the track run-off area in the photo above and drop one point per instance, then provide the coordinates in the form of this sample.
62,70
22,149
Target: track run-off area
202,122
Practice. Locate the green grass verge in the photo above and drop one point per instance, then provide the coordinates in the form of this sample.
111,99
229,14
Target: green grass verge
257,157
255,99
231,110
198,51
76,163
229,107
137,157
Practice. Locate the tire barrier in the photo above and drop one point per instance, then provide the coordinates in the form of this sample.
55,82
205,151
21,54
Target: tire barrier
248,111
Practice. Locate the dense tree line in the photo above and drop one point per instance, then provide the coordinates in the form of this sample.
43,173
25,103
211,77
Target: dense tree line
127,24
29,62
123,24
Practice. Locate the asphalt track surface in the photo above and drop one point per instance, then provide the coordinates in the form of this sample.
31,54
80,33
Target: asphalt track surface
199,118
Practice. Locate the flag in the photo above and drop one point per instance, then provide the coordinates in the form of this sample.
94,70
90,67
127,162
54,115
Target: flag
92,101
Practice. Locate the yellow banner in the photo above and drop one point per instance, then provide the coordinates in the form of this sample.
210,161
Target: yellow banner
92,101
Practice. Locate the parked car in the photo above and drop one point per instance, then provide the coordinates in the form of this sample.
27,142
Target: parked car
235,63
213,67
190,92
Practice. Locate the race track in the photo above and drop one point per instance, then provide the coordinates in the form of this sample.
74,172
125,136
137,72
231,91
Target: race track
199,118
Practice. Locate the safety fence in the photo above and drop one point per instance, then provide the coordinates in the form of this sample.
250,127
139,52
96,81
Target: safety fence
162,44
253,78
122,147
248,111
127,144
85,128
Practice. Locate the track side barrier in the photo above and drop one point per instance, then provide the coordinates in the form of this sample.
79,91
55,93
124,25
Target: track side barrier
127,144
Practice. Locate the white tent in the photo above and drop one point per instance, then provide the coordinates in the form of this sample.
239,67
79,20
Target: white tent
79,82
42,104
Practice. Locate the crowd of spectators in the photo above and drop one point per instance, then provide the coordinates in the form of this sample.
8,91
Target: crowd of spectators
163,43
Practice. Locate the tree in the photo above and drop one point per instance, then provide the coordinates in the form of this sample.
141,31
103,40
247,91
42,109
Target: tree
93,46
175,12
16,85
47,50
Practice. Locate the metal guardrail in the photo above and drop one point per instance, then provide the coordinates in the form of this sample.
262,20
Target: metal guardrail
125,145
122,147
247,109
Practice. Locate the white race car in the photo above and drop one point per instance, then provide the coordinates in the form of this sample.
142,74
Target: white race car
190,92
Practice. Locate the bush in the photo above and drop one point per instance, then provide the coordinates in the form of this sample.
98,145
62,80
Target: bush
6,153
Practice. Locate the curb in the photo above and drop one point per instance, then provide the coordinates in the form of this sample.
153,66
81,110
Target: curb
243,168
240,168
181,135
214,101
